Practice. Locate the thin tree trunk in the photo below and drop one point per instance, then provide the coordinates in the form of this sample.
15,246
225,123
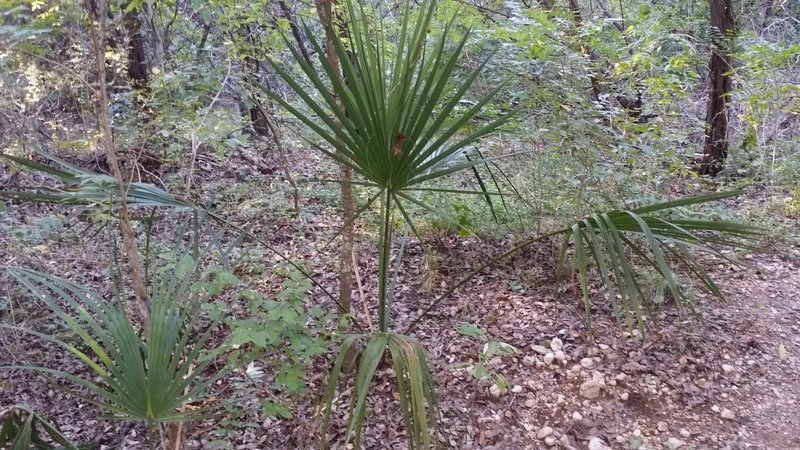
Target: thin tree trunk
325,12
138,71
298,37
715,148
97,31
158,39
597,90
276,138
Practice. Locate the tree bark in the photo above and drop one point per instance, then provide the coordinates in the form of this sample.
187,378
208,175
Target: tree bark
715,148
138,70
325,12
97,31
298,37
575,9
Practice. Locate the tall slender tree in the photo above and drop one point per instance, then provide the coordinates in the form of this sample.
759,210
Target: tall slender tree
723,30
96,13
326,10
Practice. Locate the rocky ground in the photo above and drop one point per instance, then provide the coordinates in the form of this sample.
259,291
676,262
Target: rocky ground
727,378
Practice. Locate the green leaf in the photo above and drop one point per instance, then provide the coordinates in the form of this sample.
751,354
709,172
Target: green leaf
468,329
272,408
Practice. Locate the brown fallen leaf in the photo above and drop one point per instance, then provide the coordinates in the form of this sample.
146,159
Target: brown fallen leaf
399,140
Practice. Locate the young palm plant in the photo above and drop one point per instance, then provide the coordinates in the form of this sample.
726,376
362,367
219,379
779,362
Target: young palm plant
147,378
657,235
393,117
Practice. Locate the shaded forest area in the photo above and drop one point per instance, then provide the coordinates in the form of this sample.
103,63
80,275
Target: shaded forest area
268,224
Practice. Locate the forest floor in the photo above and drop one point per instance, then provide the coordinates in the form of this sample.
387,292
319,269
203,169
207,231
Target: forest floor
725,378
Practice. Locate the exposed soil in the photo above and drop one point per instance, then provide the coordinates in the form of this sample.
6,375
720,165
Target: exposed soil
727,378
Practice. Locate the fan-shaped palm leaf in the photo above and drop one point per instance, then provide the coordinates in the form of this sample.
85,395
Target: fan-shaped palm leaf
649,233
144,379
393,113
412,376
87,188
20,431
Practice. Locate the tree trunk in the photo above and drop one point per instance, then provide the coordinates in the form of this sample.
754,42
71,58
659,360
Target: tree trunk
715,149
138,71
575,9
96,14
325,12
298,37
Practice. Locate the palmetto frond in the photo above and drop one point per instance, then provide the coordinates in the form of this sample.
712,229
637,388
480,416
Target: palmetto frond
650,234
146,379
22,430
656,234
394,118
87,188
412,376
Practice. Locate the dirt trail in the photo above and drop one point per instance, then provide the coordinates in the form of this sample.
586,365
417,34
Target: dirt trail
770,407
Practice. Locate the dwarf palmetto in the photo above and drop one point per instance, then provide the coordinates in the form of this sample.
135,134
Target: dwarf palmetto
394,117
23,429
148,378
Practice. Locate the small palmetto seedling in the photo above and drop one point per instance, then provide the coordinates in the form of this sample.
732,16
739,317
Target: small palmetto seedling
146,378
651,235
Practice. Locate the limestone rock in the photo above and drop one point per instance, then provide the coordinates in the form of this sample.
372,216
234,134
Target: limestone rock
593,388
596,443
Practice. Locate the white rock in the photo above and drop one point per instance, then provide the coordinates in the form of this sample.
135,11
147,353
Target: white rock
495,391
596,443
592,389
727,368
686,434
727,414
587,363
529,360
556,344
577,417
662,426
540,349
516,389
674,443
544,432
550,441
715,408
561,356
624,396
549,358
